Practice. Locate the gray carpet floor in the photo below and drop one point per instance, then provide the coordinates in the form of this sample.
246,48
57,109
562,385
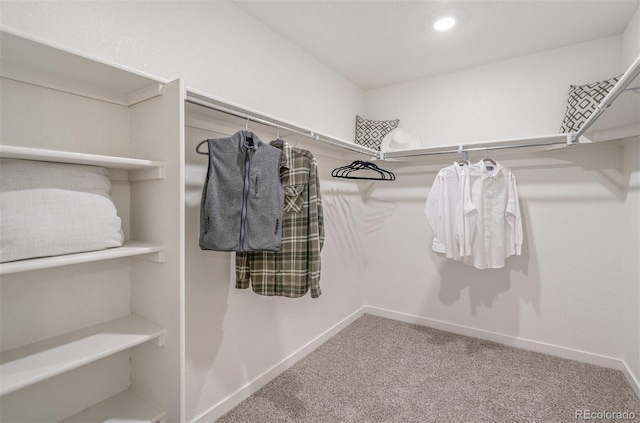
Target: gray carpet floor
382,370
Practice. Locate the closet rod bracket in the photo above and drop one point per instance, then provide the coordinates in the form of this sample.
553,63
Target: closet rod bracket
463,152
571,138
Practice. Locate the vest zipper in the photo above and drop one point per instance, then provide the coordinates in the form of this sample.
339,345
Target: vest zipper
245,196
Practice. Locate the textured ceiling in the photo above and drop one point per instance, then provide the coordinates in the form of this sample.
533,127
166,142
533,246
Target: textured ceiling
380,43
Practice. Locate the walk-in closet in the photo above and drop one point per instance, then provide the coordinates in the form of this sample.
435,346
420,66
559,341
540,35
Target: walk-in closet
470,247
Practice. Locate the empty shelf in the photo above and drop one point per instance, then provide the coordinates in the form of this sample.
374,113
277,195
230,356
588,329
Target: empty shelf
139,169
33,363
27,153
542,141
128,249
125,407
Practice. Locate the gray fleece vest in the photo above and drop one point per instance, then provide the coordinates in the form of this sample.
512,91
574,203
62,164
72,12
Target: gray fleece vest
242,199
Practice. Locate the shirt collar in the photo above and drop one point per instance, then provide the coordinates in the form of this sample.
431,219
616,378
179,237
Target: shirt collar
484,172
286,152
242,136
460,168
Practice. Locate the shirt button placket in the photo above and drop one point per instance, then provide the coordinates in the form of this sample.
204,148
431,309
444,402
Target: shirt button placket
487,223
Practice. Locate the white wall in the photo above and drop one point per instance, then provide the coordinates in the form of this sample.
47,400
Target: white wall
214,46
631,40
235,336
520,97
631,255
631,354
576,284
568,287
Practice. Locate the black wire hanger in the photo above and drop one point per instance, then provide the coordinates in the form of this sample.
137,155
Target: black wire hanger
247,135
365,169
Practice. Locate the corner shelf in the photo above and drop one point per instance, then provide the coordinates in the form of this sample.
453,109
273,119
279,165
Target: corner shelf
128,406
33,363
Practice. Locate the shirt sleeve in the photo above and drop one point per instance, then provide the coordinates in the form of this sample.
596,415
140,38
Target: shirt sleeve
434,211
513,217
242,270
316,230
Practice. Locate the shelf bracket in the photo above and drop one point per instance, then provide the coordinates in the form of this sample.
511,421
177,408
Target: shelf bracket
159,341
157,257
146,174
571,138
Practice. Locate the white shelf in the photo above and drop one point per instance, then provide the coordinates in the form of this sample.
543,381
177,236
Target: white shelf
33,363
37,61
125,407
618,114
128,249
538,142
112,162
221,108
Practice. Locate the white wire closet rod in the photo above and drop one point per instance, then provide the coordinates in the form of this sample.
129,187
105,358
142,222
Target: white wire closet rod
302,132
629,76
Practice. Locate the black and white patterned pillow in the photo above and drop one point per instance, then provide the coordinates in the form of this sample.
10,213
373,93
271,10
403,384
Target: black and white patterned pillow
582,102
371,132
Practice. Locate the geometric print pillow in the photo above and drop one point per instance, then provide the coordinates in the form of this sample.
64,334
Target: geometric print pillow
582,102
370,133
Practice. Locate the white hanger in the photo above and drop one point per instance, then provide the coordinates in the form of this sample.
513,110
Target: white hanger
299,139
489,159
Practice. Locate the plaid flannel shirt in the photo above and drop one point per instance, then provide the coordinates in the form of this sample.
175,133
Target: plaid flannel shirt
295,268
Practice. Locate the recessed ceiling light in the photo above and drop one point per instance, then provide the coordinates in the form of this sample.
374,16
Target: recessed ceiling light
444,23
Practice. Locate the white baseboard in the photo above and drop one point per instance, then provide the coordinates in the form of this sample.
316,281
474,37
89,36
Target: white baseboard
633,381
243,393
512,341
555,350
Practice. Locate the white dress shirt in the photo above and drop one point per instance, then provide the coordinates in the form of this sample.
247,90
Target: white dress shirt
443,210
492,221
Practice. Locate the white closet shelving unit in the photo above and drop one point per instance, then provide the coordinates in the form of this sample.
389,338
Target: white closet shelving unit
113,353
